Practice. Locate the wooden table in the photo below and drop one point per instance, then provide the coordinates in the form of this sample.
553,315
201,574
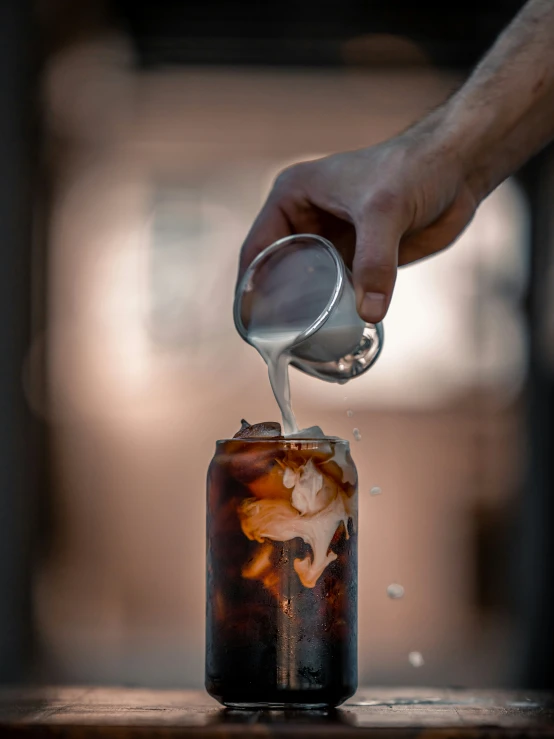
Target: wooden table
122,713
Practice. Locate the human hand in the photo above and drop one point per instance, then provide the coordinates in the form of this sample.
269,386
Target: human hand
382,207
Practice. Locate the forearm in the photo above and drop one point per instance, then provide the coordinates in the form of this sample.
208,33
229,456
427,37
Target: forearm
505,111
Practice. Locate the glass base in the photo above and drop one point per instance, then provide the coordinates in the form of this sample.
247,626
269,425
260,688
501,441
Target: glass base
356,363
278,706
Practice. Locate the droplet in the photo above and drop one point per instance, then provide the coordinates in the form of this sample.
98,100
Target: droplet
416,659
375,491
395,591
349,413
357,435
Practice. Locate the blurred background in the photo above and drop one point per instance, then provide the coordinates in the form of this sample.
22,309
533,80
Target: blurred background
138,141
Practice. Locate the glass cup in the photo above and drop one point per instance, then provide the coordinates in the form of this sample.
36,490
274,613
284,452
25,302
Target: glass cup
301,283
281,626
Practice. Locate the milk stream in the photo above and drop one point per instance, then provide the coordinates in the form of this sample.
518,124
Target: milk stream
274,346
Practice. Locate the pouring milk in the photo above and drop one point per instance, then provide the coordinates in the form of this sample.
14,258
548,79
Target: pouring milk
293,291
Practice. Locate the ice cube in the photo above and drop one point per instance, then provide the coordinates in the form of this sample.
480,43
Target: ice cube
266,430
357,435
248,456
246,460
313,432
376,490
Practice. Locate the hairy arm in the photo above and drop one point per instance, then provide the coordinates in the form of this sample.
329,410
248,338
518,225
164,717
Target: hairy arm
411,196
505,111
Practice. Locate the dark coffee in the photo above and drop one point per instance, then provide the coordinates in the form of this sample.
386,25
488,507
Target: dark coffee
281,573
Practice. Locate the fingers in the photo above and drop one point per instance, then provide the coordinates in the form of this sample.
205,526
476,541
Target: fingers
378,230
270,225
286,209
375,263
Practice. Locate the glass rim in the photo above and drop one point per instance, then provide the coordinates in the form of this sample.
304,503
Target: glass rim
268,252
283,439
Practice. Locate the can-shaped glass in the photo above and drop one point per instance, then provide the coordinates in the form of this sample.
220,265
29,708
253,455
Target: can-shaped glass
281,617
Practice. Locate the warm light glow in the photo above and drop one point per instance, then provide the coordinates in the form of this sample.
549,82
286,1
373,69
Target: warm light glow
145,369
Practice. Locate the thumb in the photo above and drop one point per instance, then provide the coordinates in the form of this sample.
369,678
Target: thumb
375,264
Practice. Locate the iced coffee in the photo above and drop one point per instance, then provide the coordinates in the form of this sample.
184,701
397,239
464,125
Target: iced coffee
281,570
